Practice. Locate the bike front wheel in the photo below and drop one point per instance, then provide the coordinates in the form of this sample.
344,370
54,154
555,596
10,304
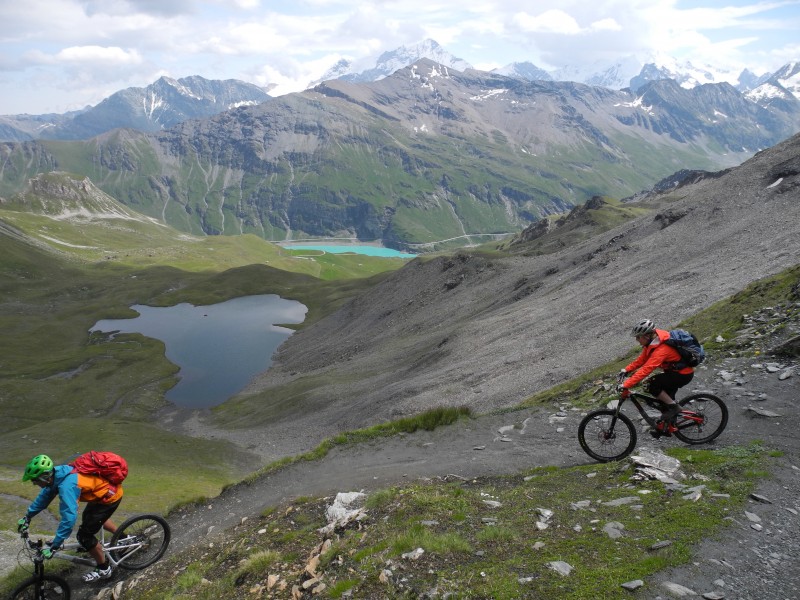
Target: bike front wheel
606,435
702,418
140,541
46,587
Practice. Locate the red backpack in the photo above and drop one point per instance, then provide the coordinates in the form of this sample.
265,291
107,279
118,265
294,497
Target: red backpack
111,467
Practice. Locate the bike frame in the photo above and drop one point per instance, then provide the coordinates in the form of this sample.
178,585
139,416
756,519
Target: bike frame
107,548
689,417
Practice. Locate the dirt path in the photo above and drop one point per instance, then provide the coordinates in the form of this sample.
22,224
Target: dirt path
487,445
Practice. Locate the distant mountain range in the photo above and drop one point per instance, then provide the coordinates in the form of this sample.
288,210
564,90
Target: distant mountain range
626,72
425,157
168,102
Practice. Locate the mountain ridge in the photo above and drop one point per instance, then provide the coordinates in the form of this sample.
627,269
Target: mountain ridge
162,104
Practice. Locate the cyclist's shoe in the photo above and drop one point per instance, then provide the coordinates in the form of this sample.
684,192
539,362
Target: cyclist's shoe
670,413
98,574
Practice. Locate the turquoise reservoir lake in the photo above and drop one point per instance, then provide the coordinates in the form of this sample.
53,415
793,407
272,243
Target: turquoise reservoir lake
354,249
219,348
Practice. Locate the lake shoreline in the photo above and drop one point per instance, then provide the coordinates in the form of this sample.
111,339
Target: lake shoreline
374,249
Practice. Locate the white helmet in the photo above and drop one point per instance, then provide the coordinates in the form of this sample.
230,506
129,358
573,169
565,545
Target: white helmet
643,327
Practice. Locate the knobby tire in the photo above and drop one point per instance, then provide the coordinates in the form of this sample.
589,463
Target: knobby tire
45,587
150,530
715,418
602,443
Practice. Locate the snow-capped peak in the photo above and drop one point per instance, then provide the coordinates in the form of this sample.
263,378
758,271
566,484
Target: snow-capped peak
789,77
389,62
524,70
627,72
611,74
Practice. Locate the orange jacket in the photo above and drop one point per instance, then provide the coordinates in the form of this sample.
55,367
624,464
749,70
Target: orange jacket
94,488
656,355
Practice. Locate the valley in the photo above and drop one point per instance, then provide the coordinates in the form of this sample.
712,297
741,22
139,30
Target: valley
59,383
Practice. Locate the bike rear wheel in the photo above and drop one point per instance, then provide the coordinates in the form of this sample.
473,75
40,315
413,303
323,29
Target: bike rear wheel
147,537
605,435
46,587
703,417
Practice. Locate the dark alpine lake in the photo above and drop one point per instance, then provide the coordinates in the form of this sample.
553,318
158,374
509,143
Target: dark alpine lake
219,348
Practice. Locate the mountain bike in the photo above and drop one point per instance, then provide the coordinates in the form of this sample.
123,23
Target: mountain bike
608,434
138,543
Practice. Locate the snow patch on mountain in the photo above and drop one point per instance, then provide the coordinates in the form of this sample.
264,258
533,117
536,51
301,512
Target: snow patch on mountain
434,71
243,103
766,92
638,103
487,94
182,89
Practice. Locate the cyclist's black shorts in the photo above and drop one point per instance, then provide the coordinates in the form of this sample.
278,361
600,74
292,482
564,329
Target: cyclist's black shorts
668,381
94,515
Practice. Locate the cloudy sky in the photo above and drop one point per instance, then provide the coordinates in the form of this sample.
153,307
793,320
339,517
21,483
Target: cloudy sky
59,55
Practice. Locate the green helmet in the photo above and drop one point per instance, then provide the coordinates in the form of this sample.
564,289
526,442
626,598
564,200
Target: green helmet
39,465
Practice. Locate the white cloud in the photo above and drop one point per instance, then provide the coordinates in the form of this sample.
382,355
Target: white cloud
127,7
99,55
606,25
44,42
550,21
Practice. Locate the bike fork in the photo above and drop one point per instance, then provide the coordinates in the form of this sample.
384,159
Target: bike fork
609,434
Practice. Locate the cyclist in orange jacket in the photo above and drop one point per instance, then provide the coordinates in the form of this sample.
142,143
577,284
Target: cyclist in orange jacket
72,487
657,355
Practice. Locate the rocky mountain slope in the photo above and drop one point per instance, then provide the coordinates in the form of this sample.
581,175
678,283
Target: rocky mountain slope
487,331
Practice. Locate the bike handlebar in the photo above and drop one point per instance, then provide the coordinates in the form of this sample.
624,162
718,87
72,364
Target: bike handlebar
35,545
